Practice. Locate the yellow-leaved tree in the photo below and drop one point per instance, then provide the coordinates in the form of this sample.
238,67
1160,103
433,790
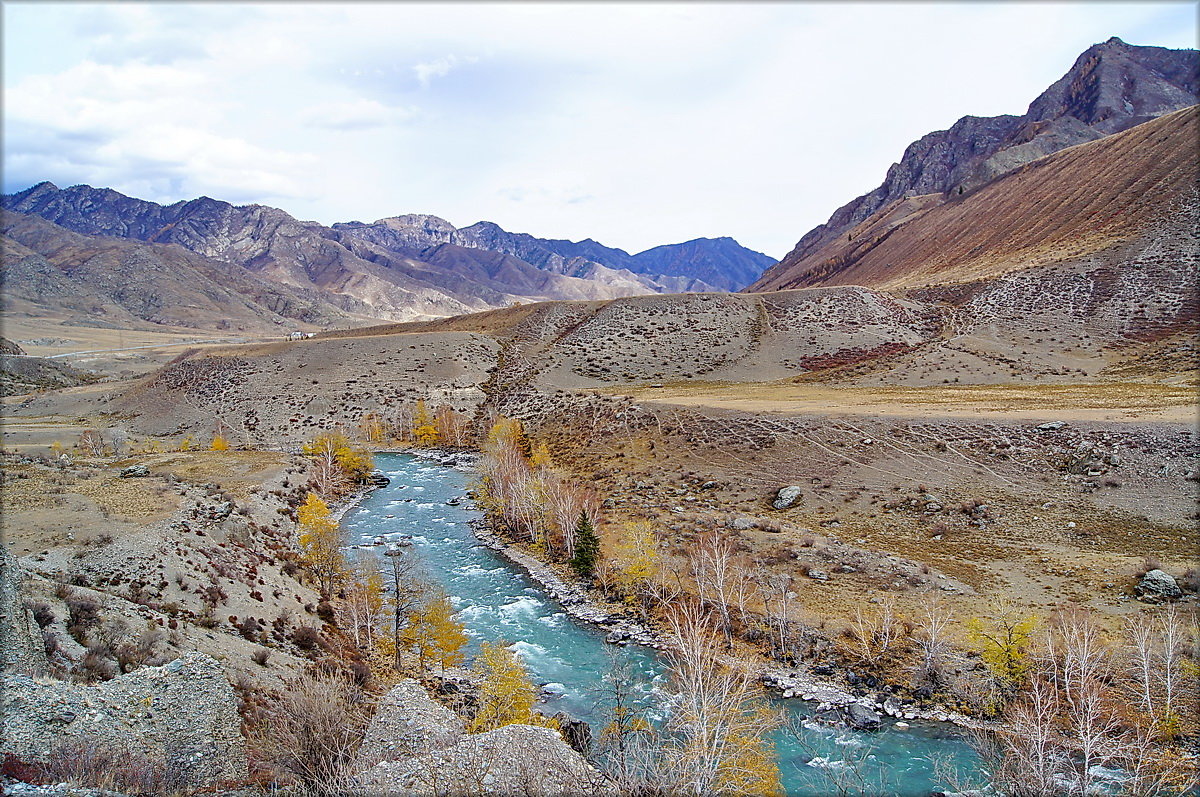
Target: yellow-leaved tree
321,542
337,462
219,443
438,638
424,430
506,693
1003,644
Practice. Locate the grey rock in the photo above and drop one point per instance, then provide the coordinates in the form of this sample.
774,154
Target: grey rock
786,497
135,471
742,523
1051,426
818,575
1158,586
407,722
514,759
861,718
21,645
194,725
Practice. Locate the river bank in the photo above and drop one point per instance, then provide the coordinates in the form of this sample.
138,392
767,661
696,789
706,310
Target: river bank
580,601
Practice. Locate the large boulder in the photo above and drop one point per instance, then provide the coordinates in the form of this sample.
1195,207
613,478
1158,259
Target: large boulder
408,722
1158,586
514,759
183,713
787,497
861,718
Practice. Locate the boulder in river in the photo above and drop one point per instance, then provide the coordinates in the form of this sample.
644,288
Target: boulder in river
861,718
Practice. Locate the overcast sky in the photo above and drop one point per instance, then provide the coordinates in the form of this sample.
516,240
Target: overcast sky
631,123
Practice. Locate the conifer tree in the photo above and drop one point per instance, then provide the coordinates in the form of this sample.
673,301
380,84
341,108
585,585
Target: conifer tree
506,693
587,546
436,635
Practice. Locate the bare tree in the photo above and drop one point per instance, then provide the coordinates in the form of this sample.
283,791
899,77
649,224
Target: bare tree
718,722
712,563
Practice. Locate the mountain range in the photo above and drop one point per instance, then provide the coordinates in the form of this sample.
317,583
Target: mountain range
987,197
250,267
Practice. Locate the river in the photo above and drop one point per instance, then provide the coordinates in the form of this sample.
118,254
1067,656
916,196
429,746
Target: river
496,600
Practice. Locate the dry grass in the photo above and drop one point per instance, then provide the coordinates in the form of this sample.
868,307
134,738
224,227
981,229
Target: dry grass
1094,401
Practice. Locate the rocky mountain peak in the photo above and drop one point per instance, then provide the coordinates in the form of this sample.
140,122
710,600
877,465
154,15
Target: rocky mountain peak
1111,87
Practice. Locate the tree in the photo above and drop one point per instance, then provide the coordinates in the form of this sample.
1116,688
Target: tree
627,742
424,430
506,693
321,542
187,443
373,427
436,635
337,462
91,443
452,427
638,560
713,568
364,599
219,443
1003,644
718,729
408,590
587,546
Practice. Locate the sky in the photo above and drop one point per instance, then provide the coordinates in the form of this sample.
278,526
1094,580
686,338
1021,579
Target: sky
635,124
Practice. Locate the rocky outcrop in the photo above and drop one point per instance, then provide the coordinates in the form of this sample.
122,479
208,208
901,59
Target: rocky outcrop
1111,87
408,723
21,646
184,713
415,745
514,759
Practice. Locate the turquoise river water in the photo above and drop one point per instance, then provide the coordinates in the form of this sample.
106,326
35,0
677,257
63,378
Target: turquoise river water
498,601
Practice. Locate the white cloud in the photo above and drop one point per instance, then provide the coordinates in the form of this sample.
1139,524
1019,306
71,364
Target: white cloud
426,71
634,124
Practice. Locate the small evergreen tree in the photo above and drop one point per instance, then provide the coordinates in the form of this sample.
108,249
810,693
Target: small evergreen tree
587,546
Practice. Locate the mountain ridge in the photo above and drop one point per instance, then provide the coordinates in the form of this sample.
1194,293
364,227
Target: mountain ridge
1111,87
397,268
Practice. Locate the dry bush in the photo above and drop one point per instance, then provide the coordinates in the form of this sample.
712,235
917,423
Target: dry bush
312,733
102,764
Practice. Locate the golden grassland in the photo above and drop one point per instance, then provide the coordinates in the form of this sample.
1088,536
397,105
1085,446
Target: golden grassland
1113,401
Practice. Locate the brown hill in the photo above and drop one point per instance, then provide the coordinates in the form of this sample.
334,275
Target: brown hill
1112,87
1082,200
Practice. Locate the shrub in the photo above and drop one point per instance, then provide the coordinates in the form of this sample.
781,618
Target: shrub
313,732
306,637
98,763
261,657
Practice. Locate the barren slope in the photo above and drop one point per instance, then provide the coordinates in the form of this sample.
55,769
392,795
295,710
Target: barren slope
1082,200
